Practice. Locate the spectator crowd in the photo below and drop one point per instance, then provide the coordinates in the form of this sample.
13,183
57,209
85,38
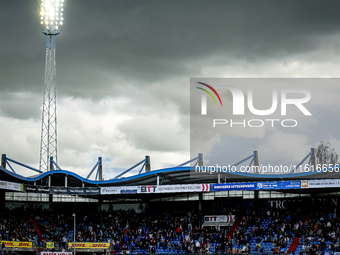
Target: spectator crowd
258,229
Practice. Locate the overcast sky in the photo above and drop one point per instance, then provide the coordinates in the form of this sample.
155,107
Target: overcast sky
124,69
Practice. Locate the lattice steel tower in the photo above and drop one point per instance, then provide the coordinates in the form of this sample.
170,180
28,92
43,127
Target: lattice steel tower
51,21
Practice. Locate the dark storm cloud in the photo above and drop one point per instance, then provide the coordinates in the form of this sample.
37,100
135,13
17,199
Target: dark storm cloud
154,40
105,43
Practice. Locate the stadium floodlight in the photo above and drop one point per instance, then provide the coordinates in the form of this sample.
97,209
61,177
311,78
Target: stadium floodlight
51,19
51,15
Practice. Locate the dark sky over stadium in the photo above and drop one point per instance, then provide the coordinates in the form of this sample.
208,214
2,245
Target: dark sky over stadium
124,69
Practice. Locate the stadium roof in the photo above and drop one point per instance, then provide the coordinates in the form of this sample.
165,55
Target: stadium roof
176,175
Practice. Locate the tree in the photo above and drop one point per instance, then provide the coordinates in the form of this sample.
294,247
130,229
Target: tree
325,154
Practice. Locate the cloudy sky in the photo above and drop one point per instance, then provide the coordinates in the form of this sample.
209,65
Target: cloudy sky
124,69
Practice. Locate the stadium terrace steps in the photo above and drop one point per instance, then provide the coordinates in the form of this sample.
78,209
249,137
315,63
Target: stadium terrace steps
294,245
36,228
296,240
235,226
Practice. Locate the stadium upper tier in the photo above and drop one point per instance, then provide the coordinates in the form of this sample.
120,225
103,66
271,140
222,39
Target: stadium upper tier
176,175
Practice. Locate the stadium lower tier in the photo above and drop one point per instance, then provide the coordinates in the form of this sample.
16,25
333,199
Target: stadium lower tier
257,229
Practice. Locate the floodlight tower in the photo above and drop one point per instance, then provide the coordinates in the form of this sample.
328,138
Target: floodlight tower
51,20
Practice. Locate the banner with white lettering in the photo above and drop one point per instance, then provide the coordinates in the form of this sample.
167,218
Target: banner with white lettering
63,190
219,218
55,253
155,189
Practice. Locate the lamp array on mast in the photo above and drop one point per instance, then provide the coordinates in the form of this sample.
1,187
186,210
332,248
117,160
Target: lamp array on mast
51,13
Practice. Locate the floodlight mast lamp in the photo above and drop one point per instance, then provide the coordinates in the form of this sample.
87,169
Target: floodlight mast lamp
51,21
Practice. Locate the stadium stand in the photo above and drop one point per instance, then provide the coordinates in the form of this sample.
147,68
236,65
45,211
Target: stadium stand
259,230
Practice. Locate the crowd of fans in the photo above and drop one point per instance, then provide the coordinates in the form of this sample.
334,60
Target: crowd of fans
14,227
315,230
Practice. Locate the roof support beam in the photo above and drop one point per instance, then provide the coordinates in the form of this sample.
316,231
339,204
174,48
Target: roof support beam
171,179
